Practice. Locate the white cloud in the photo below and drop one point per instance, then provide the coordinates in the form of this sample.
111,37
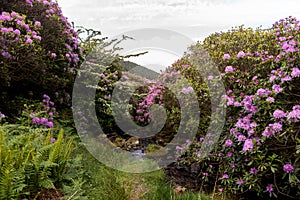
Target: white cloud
194,18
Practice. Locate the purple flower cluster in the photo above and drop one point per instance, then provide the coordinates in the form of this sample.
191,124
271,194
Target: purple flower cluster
248,145
229,69
294,115
187,90
241,54
14,31
270,188
288,168
2,115
49,109
226,57
53,10
154,97
42,121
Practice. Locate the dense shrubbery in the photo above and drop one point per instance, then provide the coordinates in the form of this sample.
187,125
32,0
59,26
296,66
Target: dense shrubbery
34,160
257,152
39,52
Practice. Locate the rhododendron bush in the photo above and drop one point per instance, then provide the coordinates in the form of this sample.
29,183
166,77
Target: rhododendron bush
258,151
39,51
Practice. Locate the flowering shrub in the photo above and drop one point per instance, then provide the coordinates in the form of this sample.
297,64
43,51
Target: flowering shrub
257,152
39,50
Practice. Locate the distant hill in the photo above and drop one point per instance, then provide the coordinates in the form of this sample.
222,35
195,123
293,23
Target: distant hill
138,70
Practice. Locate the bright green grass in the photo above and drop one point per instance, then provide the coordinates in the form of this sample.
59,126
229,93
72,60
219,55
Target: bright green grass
106,183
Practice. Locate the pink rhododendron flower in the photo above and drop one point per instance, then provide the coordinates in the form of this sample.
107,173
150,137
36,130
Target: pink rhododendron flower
295,72
17,32
241,54
270,99
268,132
269,188
248,145
253,171
37,23
228,143
28,41
286,78
187,90
263,92
229,69
241,138
225,176
226,57
240,182
273,78
288,168
279,114
276,127
277,89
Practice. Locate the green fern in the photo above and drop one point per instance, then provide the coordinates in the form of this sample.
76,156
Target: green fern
29,162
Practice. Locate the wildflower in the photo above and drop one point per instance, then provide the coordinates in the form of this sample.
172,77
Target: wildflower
228,143
2,115
226,57
253,171
36,120
272,78
268,132
248,145
52,140
229,69
240,182
17,32
295,115
178,148
46,97
279,114
49,124
37,23
241,54
241,138
286,78
295,72
187,90
288,168
28,41
5,54
236,104
263,92
210,77
225,176
296,107
269,188
277,89
270,99
276,127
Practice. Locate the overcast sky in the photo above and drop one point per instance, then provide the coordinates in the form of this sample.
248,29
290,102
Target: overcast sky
194,18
